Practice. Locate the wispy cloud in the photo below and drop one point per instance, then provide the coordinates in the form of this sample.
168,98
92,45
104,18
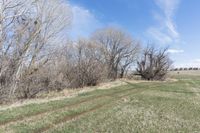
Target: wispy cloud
175,51
165,32
84,22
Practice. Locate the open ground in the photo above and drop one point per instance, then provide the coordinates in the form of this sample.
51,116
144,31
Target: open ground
128,106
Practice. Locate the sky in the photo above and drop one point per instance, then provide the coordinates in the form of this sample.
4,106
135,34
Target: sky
165,23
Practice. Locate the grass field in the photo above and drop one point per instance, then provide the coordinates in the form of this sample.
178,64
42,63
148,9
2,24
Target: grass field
172,106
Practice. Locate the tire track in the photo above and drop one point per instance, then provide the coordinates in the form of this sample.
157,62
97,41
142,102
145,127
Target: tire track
78,115
23,117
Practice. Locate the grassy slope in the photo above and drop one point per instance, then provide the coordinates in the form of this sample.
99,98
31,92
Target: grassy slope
143,107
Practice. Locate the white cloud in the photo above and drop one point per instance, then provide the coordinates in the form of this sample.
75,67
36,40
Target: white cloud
84,22
159,36
165,32
175,51
168,6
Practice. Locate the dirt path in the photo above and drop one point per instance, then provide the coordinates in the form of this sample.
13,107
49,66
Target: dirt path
67,93
76,116
40,113
114,98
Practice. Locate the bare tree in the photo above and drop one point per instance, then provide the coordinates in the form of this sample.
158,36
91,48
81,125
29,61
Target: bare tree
154,64
87,68
28,29
118,48
128,60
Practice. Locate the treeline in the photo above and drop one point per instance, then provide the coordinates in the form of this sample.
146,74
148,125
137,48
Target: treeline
34,57
185,69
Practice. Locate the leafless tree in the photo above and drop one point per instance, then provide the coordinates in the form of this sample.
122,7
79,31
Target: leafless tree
87,68
118,49
28,30
129,59
154,64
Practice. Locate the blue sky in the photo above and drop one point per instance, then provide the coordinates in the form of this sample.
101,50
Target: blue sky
173,23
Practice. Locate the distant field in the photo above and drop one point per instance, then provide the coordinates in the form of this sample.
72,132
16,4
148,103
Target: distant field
172,106
189,72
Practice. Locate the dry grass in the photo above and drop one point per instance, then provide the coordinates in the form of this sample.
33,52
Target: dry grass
188,72
66,93
133,106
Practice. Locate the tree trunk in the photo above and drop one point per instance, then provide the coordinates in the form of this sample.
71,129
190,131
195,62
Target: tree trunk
122,73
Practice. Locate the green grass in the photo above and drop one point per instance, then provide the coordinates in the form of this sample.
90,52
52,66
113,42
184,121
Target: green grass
142,107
